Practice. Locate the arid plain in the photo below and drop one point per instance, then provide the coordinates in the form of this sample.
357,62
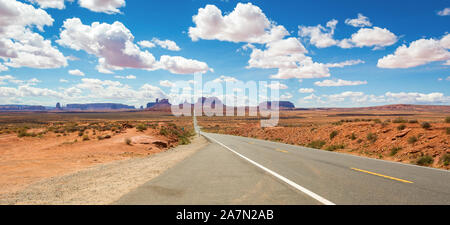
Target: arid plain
36,146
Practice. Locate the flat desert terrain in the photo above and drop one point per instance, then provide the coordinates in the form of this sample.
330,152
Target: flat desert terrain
39,146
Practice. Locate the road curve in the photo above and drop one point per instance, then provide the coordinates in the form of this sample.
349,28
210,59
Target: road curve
239,170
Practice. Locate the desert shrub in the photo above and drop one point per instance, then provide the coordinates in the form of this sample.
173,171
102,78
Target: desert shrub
400,120
337,123
447,119
372,137
413,121
360,141
335,147
412,140
107,136
448,130
80,134
395,150
425,160
85,138
184,141
353,136
100,137
446,159
333,134
128,141
377,120
426,125
318,144
401,127
163,131
141,127
22,133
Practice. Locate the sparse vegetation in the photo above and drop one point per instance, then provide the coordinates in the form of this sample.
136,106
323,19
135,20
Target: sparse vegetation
141,127
372,137
400,120
413,121
184,141
412,139
23,133
335,147
447,119
395,150
333,134
426,125
85,138
353,136
128,141
318,144
448,130
425,160
401,127
446,159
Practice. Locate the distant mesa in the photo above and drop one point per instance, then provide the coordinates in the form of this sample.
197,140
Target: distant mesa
22,108
159,105
281,104
98,106
211,101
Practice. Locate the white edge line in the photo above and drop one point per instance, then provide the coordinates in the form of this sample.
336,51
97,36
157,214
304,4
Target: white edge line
284,179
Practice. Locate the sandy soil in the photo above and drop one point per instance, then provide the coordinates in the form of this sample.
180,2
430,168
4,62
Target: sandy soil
97,184
27,160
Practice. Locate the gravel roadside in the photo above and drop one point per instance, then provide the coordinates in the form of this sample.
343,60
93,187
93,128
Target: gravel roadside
101,184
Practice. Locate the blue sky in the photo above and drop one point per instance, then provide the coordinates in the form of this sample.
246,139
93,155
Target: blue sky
384,52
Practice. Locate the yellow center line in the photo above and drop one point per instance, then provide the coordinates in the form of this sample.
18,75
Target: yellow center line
283,151
381,175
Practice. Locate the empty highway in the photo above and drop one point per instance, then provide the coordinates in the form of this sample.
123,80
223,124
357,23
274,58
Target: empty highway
239,170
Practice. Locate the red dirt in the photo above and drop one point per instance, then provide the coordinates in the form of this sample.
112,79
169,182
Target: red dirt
302,128
30,159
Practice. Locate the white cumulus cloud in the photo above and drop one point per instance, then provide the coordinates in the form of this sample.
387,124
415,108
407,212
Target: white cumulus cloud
444,12
306,90
181,65
167,44
419,52
76,73
19,45
56,4
105,6
338,83
246,23
322,37
114,46
277,86
319,36
361,21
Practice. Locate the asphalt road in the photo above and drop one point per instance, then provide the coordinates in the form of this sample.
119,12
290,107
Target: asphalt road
238,170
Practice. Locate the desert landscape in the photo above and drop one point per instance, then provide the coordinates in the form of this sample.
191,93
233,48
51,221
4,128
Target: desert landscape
403,133
40,145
